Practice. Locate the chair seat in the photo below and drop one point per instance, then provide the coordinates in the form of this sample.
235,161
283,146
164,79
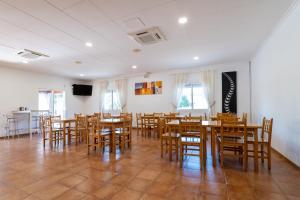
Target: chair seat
173,135
231,139
190,140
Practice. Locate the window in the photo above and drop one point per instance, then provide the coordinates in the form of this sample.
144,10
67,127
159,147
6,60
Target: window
54,101
112,102
193,98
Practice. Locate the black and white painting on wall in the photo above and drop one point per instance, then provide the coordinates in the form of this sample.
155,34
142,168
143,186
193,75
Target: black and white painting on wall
229,90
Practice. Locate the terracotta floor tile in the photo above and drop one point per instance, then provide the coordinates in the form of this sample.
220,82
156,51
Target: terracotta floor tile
72,180
107,191
148,174
127,194
71,195
14,195
88,186
51,192
139,184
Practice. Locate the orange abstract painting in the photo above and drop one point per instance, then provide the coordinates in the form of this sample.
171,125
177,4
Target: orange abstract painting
148,88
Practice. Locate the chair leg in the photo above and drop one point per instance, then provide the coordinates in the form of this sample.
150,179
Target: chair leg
269,157
262,154
181,155
161,148
176,149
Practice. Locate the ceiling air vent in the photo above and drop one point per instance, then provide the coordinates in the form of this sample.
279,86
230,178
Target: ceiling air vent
29,54
148,36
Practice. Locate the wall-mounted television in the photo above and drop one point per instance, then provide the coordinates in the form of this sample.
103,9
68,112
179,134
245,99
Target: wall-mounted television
82,90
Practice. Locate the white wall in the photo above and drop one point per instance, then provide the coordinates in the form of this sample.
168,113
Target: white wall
163,103
276,87
20,88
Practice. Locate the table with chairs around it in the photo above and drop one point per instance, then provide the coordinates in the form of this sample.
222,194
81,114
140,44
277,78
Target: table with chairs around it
182,135
231,136
97,131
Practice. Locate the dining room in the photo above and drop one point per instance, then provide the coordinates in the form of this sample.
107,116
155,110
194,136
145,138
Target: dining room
151,99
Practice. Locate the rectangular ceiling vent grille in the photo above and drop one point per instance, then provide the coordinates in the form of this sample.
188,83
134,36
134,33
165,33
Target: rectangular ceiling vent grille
149,36
29,54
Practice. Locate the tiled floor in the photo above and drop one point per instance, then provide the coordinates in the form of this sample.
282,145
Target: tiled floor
28,171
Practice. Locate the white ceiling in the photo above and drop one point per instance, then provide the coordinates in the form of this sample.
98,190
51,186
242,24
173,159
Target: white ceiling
217,31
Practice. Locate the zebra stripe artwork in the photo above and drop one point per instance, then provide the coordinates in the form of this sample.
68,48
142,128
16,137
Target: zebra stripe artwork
229,92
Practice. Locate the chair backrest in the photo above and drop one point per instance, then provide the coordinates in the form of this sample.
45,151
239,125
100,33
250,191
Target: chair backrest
267,129
193,118
191,128
126,115
161,126
227,117
245,117
81,122
106,115
98,115
234,129
158,114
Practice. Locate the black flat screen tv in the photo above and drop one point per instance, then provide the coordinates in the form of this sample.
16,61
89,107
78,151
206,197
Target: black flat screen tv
82,90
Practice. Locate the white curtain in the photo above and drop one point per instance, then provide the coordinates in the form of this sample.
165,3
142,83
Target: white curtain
180,81
102,91
122,88
207,79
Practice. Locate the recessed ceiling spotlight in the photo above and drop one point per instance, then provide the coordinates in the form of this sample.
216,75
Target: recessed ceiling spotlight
78,62
182,20
81,75
196,58
25,61
134,67
88,44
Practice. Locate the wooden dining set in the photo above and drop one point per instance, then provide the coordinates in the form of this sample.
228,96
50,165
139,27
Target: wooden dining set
231,136
98,131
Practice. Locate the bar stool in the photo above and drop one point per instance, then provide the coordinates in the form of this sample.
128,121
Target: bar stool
11,127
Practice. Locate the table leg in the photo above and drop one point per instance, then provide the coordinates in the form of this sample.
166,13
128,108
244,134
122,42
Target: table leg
170,149
255,149
113,140
64,133
213,145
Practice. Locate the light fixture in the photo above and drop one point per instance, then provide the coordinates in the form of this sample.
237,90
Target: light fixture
196,58
25,61
88,44
134,67
81,75
182,20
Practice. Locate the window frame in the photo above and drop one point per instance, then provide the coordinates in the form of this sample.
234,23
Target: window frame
113,94
192,86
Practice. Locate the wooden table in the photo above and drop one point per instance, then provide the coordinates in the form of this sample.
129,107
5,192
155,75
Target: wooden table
112,123
215,126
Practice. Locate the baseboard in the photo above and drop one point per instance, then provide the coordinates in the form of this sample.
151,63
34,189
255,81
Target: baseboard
285,158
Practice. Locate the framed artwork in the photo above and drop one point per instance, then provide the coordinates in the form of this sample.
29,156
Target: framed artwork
229,92
148,88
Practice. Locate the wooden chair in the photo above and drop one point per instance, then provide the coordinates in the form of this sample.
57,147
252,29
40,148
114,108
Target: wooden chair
56,131
138,122
171,138
192,140
98,138
45,129
79,132
123,135
148,124
232,139
264,142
